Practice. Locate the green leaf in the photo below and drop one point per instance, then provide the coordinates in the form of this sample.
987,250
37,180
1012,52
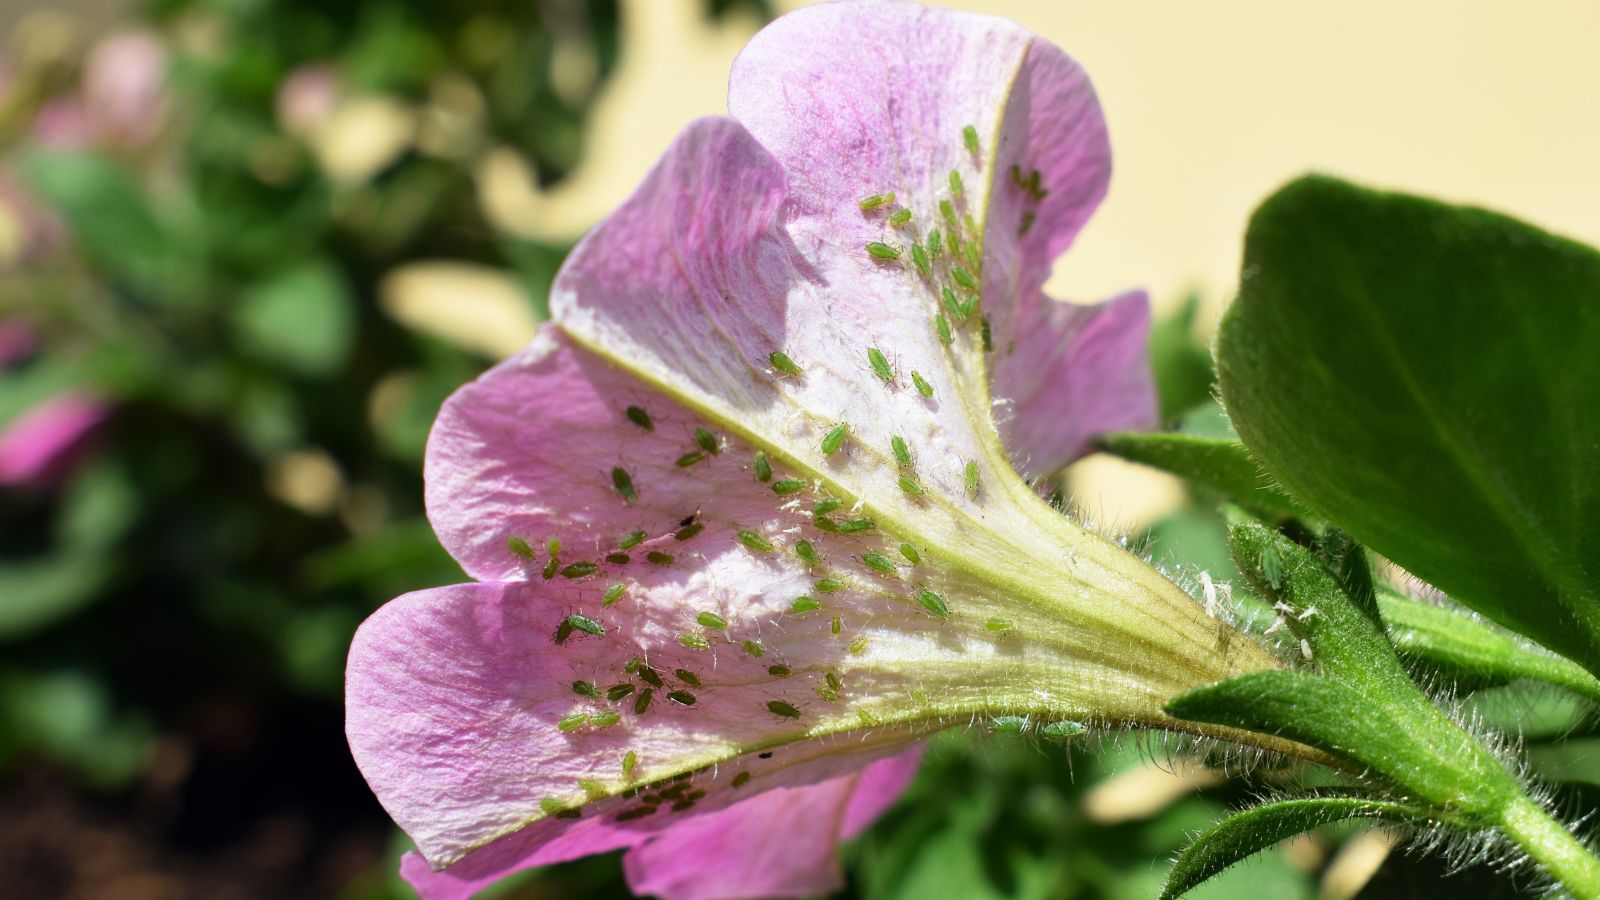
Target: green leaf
302,318
1249,832
1221,466
1461,645
1425,377
1180,363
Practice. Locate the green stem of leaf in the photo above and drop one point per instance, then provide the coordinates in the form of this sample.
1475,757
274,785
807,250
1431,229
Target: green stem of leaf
1557,850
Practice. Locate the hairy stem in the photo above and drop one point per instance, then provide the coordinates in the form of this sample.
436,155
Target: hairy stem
1558,851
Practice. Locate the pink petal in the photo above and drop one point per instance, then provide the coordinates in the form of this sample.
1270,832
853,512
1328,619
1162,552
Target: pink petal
38,444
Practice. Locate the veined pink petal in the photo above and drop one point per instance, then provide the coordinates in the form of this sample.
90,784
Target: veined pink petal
37,444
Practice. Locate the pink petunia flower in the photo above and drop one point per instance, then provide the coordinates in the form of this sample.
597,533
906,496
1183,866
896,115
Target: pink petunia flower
41,444
753,517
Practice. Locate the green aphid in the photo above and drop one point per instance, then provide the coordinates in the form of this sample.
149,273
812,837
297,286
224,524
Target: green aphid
879,562
922,385
619,559
519,546
1271,567
642,702
591,787
952,242
910,486
639,417
823,523
688,531
858,645
971,475
781,361
1027,224
612,595
836,626
834,439
563,631
933,603
754,541
694,642
948,210
552,805
973,252
935,244
650,676
880,365
942,326
833,681
629,761
618,691
829,585
579,570
826,506
763,468
660,559
623,482
902,453
551,566
605,719
689,459
553,547
632,665
741,779
1033,186
706,441
964,278
952,304
900,217
1008,724
998,624
804,604
956,187
807,553
711,620
631,540
910,553
919,257
573,721
754,648
586,689
1063,730
788,486
856,526
585,624
988,336
880,250
827,694
683,698
1016,177
781,708
876,201
779,671
969,137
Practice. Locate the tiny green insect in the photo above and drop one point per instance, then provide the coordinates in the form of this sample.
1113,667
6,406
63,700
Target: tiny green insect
650,676
998,624
942,326
910,486
741,779
919,257
828,694
694,642
1008,724
553,547
803,604
879,562
711,620
856,526
660,559
781,361
623,482
880,250
639,417
519,546
956,187
921,384
688,531
1062,730
952,304
689,459
858,645
763,468
780,708
933,603
902,453
754,648
706,441
605,719
788,486
1027,224
834,439
971,475
755,542
552,805
836,626
681,697
612,595
826,506
829,585
573,721
823,523
550,568
880,365
632,665
876,201
910,553
618,691
935,244
642,702
629,761
806,552
620,559
579,570
586,689
948,210
833,681
964,278
969,137
779,671
988,336
631,540
585,624
900,217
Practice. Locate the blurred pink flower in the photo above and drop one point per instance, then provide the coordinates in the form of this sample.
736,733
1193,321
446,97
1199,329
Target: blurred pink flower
62,124
40,445
307,97
124,88
752,516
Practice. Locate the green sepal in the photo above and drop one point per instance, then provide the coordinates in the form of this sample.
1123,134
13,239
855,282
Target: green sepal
1250,831
1221,466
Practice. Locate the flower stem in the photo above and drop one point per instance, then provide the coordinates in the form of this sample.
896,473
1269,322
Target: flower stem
1557,850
